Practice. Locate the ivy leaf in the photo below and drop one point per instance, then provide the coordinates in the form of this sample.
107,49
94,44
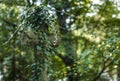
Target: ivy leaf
47,53
39,48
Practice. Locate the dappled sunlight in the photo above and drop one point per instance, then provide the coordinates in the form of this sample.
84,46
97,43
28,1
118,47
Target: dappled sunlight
59,40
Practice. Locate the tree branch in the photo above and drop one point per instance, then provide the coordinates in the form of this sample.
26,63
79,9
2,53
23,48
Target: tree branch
13,35
104,67
7,22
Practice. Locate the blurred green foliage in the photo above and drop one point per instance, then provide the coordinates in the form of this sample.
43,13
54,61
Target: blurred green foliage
89,44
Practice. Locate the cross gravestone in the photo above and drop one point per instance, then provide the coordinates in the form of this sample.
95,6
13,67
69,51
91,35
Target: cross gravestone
38,35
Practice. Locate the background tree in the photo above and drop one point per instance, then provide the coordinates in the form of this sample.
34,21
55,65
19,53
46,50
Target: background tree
89,44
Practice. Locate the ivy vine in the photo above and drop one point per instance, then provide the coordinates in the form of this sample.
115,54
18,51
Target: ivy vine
39,24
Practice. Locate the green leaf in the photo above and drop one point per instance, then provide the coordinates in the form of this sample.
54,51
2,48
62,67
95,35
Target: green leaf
39,48
47,53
